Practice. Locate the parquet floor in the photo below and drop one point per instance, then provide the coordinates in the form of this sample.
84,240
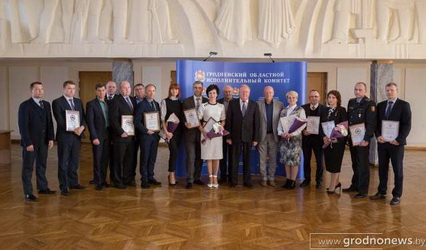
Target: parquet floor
176,218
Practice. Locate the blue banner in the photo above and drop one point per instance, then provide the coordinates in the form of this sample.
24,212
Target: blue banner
282,76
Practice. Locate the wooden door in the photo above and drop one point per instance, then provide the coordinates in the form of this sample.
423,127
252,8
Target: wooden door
88,81
318,81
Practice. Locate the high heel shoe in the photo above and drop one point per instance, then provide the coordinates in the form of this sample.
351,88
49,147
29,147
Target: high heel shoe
210,185
338,186
215,185
171,184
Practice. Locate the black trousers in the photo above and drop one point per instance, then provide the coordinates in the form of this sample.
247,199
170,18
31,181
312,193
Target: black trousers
174,151
68,160
39,155
100,161
236,149
149,148
123,160
360,166
226,161
111,154
310,144
395,154
136,152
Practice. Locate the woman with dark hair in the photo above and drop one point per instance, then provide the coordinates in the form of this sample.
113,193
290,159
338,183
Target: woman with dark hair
333,154
211,149
172,105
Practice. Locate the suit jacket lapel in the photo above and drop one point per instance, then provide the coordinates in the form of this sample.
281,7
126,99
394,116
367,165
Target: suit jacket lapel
36,107
98,106
66,103
263,107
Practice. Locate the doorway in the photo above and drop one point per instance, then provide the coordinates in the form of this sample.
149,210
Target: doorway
318,81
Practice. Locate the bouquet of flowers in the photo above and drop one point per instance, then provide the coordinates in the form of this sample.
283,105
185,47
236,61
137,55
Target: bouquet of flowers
172,125
296,124
340,131
213,129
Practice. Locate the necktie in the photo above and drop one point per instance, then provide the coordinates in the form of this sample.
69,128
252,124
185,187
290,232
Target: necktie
388,109
244,109
109,97
198,103
312,108
129,103
72,104
41,104
152,105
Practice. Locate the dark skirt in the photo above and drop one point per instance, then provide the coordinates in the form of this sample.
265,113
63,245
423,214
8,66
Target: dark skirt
333,156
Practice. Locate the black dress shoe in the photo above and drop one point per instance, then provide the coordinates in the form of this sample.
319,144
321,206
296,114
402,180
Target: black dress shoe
99,187
46,191
318,186
249,185
65,192
188,185
305,183
378,196
30,197
105,184
78,186
154,182
349,190
199,182
120,186
91,182
145,185
360,195
130,183
395,201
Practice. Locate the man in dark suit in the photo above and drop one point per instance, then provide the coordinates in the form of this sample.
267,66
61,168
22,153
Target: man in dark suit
397,110
192,138
123,142
268,135
312,142
98,123
69,142
226,160
243,124
361,110
111,88
148,138
37,135
139,96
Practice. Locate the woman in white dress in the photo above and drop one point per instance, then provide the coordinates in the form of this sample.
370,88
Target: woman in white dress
211,149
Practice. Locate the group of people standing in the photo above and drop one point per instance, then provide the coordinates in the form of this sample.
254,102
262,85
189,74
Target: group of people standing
248,124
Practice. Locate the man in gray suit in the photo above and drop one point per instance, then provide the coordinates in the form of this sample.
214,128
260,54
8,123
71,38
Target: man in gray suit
192,138
269,117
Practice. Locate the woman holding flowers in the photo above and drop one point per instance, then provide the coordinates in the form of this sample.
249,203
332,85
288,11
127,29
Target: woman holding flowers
334,147
211,141
291,142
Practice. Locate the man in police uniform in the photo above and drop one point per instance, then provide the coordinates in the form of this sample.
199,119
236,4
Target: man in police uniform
361,110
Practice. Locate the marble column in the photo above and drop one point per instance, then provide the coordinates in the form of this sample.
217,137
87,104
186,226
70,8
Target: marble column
381,72
122,70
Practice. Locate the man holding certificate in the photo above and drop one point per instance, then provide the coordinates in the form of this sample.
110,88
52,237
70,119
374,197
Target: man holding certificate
71,122
121,120
192,135
393,127
362,125
147,122
311,140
